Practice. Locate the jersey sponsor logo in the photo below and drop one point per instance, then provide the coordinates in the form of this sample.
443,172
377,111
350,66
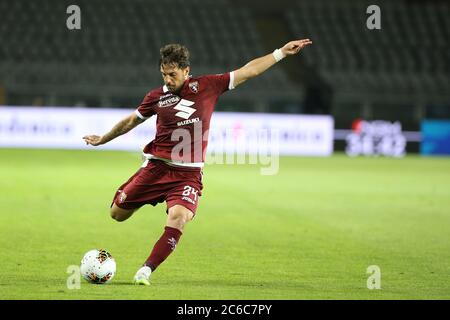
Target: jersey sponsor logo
188,121
194,86
185,111
168,100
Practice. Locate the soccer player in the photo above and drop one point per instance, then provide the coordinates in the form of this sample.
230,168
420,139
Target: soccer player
172,171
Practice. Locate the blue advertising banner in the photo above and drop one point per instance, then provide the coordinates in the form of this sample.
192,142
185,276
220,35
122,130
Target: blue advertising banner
435,137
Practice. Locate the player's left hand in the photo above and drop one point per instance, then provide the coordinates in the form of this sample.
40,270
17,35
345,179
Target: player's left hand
294,47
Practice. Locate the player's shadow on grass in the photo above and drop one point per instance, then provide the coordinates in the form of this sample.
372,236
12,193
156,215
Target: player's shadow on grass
122,283
235,283
215,283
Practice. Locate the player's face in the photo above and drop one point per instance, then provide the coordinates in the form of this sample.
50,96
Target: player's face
174,77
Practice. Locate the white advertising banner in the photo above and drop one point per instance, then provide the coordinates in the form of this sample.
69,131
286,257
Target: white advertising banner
65,127
230,132
293,134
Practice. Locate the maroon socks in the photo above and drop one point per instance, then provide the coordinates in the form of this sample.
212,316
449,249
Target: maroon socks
163,247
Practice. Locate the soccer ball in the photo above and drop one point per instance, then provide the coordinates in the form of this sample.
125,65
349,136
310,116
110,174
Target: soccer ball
98,266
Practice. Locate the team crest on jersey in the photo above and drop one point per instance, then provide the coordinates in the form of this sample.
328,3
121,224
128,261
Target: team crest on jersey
193,86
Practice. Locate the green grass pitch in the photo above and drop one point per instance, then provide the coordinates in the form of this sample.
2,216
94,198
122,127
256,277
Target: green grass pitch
309,232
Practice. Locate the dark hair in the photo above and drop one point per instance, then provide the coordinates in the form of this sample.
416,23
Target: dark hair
174,54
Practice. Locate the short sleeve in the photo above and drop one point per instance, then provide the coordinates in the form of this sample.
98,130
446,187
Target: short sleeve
222,82
147,107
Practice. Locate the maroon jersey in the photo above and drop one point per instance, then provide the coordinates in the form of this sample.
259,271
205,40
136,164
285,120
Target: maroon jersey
182,122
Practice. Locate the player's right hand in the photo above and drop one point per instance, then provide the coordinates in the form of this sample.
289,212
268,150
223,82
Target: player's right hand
93,140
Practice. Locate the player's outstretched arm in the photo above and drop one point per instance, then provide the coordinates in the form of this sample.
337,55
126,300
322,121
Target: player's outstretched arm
119,129
259,65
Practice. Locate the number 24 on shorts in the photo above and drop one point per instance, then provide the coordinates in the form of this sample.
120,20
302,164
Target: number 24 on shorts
188,190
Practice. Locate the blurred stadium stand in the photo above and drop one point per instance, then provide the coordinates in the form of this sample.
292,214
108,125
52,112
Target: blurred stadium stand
393,72
401,71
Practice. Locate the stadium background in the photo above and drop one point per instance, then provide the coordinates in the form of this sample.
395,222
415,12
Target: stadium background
398,73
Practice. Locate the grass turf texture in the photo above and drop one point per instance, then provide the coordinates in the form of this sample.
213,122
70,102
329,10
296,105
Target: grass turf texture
309,232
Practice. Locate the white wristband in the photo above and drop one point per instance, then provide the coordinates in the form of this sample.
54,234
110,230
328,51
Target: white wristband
278,55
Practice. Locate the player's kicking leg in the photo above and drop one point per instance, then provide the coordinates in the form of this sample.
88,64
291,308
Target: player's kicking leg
120,214
177,218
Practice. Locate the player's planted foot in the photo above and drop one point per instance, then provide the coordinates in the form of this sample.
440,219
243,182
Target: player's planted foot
142,276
